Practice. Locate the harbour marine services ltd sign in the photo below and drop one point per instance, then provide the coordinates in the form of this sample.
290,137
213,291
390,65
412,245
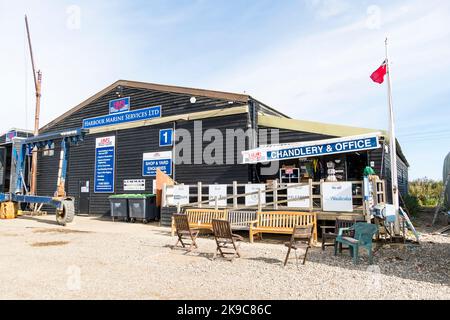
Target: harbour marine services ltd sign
123,117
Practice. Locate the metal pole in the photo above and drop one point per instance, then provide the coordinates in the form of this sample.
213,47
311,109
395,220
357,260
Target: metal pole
393,147
174,154
37,85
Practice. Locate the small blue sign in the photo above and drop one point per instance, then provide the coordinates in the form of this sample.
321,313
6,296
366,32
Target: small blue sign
149,167
10,136
136,115
104,165
324,149
166,137
119,105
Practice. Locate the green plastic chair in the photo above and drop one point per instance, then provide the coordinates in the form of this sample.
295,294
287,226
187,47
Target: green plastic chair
364,233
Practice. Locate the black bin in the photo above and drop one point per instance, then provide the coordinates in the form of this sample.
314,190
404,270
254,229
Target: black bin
142,207
119,207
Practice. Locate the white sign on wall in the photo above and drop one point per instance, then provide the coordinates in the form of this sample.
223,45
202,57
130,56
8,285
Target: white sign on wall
134,185
337,196
219,191
252,200
298,192
180,194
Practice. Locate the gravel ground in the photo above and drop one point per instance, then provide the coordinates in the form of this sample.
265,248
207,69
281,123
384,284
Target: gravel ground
97,259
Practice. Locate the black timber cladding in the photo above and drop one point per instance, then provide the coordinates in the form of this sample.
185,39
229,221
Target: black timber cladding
171,103
132,143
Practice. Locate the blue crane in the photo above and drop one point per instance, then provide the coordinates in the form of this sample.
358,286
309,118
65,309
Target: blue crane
63,203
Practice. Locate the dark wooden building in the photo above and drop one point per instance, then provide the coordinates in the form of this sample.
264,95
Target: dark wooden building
179,109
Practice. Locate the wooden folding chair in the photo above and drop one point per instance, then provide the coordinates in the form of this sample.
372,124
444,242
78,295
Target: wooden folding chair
183,231
301,238
227,242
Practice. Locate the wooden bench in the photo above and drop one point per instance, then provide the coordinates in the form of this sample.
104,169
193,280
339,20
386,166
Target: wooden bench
202,218
282,222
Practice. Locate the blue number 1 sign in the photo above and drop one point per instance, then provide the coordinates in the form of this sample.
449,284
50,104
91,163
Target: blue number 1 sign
166,137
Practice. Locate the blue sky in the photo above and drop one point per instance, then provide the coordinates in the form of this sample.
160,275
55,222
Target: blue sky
311,59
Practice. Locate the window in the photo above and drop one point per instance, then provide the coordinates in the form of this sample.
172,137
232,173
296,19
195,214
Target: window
49,151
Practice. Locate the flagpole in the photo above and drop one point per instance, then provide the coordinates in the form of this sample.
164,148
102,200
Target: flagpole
393,147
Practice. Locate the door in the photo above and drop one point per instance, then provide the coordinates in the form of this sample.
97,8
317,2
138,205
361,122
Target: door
2,168
84,197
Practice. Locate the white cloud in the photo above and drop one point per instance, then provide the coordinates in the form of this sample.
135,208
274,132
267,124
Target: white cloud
325,76
330,8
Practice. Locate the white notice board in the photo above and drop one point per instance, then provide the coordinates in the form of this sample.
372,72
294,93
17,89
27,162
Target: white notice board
180,194
337,196
252,200
298,192
219,191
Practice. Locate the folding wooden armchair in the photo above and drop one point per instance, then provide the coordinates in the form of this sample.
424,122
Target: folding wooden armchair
184,232
301,238
330,233
227,242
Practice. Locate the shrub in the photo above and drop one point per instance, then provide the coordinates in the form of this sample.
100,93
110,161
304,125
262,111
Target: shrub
427,191
412,204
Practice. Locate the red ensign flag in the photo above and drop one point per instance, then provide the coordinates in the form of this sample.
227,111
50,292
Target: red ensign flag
378,75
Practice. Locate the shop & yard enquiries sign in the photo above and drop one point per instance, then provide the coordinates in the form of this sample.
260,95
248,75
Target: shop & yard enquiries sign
156,160
311,149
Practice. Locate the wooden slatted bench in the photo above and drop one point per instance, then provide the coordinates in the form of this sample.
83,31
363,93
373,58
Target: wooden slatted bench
240,220
202,218
282,222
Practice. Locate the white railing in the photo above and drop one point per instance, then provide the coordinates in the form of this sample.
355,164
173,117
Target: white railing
273,197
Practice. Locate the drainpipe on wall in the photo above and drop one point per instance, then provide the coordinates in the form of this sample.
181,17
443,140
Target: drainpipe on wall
253,124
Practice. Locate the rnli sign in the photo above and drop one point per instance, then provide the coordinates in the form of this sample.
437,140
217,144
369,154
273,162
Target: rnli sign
119,105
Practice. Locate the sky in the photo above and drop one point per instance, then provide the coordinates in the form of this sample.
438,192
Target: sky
310,59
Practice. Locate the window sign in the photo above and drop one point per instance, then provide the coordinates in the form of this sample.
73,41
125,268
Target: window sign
104,164
166,138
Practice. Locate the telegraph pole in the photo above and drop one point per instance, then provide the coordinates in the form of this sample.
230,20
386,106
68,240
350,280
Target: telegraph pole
37,76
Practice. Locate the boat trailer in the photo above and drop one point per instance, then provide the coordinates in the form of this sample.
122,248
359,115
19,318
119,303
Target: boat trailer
64,204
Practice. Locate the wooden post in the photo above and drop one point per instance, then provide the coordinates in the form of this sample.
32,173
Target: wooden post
163,196
321,195
199,194
275,194
310,195
259,201
235,200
